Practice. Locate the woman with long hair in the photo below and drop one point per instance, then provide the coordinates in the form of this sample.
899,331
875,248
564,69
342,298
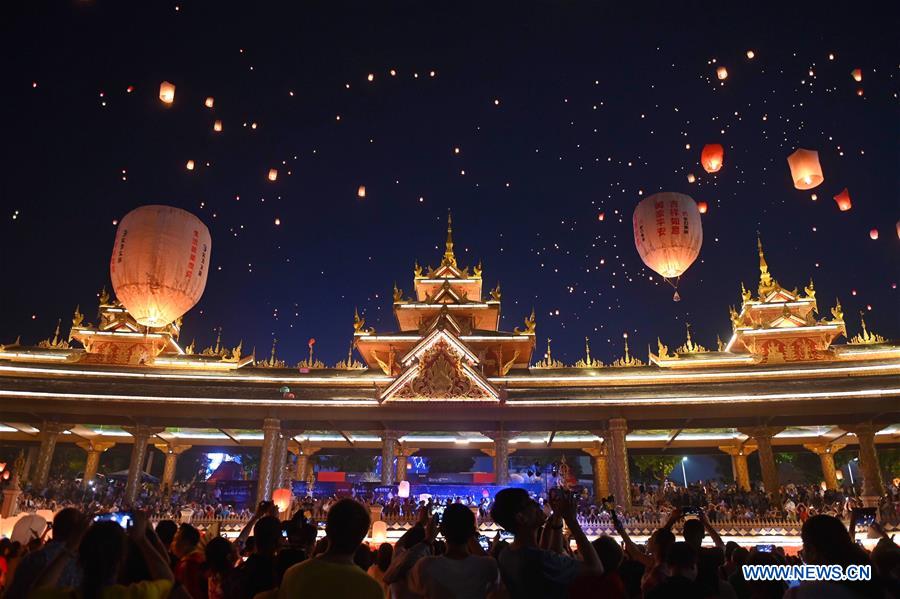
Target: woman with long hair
382,562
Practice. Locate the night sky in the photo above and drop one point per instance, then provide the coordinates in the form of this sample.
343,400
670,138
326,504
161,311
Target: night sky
560,112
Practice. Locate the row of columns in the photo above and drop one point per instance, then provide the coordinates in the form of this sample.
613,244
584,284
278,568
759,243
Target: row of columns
609,458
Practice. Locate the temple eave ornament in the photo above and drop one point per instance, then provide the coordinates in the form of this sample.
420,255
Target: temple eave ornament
865,337
627,360
530,326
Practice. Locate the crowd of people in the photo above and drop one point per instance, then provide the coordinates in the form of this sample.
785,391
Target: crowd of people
544,554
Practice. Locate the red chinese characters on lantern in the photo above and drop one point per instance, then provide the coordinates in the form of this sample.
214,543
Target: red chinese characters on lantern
667,232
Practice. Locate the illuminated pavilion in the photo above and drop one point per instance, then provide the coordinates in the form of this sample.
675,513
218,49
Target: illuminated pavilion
449,378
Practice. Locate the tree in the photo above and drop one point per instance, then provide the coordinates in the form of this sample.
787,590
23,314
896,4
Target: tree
656,467
889,462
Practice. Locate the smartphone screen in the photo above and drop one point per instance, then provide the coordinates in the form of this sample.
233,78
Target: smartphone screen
123,519
765,548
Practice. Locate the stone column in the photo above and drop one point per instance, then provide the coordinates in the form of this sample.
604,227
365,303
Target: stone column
94,450
141,435
50,432
403,455
763,437
872,484
826,452
500,452
617,456
279,468
600,470
388,451
171,452
304,452
739,468
271,434
30,458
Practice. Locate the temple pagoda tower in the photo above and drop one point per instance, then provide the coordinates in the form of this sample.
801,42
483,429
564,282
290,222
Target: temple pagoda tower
448,340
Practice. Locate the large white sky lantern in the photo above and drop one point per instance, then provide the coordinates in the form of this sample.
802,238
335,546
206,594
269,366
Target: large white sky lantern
667,233
159,263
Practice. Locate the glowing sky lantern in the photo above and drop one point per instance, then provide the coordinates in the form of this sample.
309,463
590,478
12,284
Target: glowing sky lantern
273,174
379,532
805,169
282,499
209,102
403,488
167,92
722,73
873,234
843,200
712,157
691,178
668,234
159,263
361,192
702,207
189,165
217,126
856,74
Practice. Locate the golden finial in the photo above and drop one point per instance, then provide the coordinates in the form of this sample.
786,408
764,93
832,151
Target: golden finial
719,345
587,361
77,318
234,355
662,350
476,272
189,350
865,337
449,258
398,294
218,341
745,295
417,270
766,283
689,346
627,361
548,361
735,317
530,326
495,292
104,296
55,341
810,290
272,354
837,312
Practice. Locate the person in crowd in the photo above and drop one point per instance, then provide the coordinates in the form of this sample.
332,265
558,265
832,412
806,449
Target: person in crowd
333,573
609,584
827,542
538,568
221,556
681,567
165,530
65,525
381,564
463,571
736,579
100,549
658,544
191,568
258,572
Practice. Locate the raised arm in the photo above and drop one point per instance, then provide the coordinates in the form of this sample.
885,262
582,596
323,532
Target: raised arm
631,547
591,560
711,531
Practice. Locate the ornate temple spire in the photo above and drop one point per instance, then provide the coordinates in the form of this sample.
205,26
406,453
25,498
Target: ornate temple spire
449,258
766,282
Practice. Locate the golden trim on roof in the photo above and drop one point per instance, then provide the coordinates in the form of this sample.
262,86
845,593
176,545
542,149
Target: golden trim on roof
55,342
865,337
548,361
627,361
767,284
449,258
530,326
587,361
689,347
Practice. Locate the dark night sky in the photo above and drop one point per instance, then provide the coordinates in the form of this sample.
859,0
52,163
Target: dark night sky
595,107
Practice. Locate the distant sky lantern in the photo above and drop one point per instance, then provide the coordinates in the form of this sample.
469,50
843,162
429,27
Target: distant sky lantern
691,178
805,169
601,216
751,54
873,234
860,92
702,207
273,174
712,157
282,499
898,229
856,74
209,102
159,263
361,191
668,234
190,165
843,200
167,92
722,73
217,126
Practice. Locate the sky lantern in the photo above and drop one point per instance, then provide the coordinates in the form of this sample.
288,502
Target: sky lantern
668,234
159,263
167,92
856,74
843,200
722,73
751,54
282,499
209,102
217,126
712,157
403,489
379,532
273,174
361,192
691,178
873,234
189,165
702,207
805,169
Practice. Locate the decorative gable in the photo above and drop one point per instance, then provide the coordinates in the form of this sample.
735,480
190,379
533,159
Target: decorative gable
440,368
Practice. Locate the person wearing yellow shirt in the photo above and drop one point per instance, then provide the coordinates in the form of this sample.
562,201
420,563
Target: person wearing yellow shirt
333,574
